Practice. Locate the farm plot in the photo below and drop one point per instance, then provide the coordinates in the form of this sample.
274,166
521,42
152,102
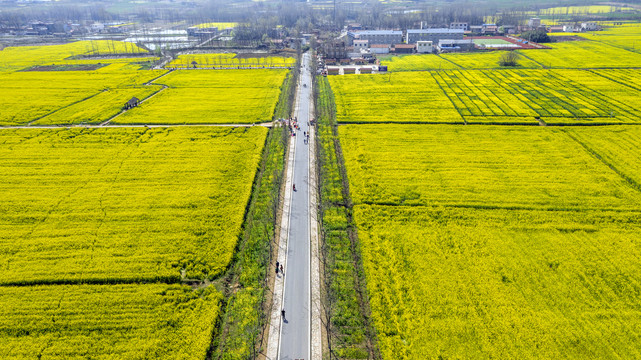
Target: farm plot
218,25
553,96
398,97
584,55
627,36
23,57
222,96
480,166
486,60
125,204
628,77
212,61
481,60
417,62
107,321
100,107
58,97
508,284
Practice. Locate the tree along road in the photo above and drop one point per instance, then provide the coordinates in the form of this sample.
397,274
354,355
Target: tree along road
295,328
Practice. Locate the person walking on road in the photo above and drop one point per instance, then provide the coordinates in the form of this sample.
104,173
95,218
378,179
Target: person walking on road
282,313
278,268
281,270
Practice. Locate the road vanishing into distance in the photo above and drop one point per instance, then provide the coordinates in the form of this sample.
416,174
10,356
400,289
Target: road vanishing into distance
295,329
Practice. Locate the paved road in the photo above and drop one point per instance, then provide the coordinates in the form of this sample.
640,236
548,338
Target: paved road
295,330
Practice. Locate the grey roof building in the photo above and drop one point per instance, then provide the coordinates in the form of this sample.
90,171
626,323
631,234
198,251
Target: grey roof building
449,45
386,37
434,35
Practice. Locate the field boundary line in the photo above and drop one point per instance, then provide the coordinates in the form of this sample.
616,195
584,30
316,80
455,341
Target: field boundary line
490,123
98,126
497,207
633,183
613,80
64,107
230,68
529,58
451,62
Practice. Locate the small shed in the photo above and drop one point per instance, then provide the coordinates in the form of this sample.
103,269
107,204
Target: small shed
133,102
333,70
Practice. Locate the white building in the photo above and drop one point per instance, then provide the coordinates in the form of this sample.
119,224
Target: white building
97,27
424,47
589,26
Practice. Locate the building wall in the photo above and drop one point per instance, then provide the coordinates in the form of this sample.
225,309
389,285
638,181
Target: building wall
375,50
465,46
433,36
424,47
382,38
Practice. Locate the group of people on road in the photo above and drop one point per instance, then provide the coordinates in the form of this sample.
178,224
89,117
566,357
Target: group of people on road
292,123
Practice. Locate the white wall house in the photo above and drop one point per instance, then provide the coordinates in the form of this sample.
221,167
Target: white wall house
424,47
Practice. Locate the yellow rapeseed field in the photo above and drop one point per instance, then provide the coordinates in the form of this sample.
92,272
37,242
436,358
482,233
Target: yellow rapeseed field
220,96
21,57
498,241
394,97
68,97
584,54
110,205
229,60
107,321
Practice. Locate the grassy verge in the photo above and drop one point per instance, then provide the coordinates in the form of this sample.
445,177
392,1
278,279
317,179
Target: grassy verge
347,327
246,289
